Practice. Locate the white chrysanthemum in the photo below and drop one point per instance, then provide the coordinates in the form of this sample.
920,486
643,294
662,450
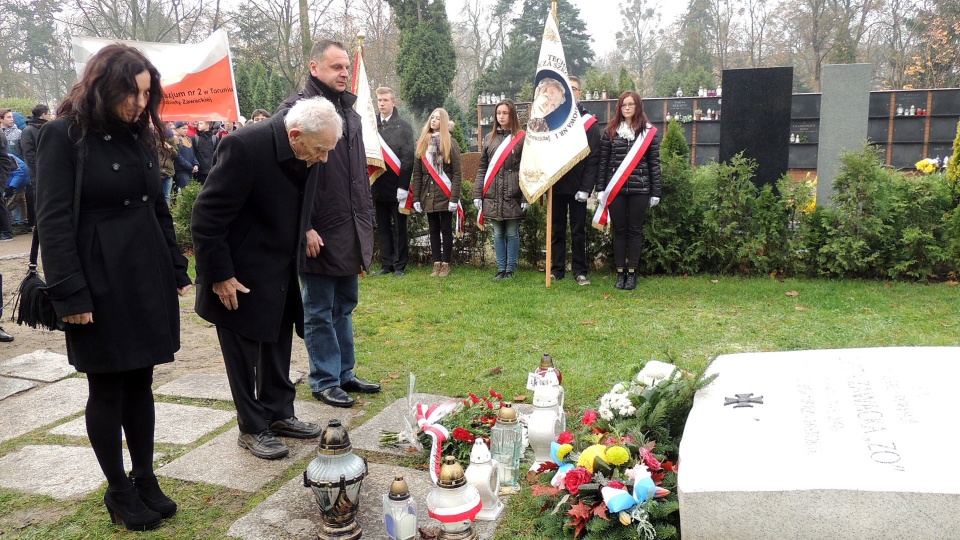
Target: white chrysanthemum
605,413
618,388
654,371
629,410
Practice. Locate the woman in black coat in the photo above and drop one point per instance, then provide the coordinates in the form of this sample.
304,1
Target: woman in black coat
114,269
628,207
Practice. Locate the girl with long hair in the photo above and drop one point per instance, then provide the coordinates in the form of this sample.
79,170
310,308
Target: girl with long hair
112,264
436,186
629,137
496,191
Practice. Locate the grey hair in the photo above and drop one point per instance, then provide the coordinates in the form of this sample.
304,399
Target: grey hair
313,115
550,81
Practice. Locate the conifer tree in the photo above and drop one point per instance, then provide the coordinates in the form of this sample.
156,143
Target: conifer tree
427,61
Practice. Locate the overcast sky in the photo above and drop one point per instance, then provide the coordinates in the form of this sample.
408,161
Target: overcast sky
601,16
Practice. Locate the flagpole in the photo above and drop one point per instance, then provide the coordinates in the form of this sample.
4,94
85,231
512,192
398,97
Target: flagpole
356,66
549,262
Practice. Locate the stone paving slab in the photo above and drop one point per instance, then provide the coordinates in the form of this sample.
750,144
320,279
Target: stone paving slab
61,472
27,412
220,461
176,424
292,512
11,387
40,365
207,386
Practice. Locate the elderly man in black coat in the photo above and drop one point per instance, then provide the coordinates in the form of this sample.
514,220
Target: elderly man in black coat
248,225
339,238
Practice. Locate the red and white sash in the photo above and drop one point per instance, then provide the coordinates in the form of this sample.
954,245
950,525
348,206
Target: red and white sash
389,157
428,420
443,181
499,156
588,121
620,177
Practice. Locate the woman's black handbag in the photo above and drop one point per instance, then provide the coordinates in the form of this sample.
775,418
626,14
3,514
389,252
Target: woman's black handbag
32,306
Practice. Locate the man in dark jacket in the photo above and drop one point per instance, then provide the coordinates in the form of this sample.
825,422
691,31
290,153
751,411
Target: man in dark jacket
339,238
248,227
205,146
6,166
39,116
570,195
390,188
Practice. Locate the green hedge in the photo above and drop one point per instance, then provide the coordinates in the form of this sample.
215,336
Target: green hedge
713,219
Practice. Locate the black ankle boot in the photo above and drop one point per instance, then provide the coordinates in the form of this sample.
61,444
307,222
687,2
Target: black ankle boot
631,282
152,496
126,508
621,278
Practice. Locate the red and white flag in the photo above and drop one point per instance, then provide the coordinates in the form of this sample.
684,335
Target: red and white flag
368,119
197,78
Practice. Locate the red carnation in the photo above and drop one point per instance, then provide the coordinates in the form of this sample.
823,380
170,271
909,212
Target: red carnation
616,484
474,398
648,459
576,478
565,438
494,393
461,434
589,418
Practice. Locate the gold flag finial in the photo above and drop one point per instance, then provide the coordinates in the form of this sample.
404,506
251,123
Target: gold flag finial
553,8
360,36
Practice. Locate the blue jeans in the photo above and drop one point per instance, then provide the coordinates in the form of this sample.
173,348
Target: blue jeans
506,243
167,187
328,303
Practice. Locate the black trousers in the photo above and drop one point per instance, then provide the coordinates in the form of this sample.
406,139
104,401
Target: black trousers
441,235
259,376
627,213
564,205
394,245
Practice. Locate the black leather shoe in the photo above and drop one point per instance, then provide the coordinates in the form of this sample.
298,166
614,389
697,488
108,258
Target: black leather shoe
335,396
399,273
293,427
508,274
264,445
359,385
499,275
631,282
152,496
4,336
383,272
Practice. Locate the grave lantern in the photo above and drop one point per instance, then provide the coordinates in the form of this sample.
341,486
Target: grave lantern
484,474
335,476
506,445
454,502
400,511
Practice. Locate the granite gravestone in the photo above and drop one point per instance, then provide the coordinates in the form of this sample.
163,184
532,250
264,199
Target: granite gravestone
756,119
846,444
844,111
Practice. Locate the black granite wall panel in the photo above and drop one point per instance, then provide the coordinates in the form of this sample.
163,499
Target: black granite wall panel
756,119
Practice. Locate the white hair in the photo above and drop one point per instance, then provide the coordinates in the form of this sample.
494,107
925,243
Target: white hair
313,115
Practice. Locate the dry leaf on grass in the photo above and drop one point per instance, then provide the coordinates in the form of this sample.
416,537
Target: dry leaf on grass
606,295
588,321
953,283
792,293
394,375
714,281
800,308
496,371
519,398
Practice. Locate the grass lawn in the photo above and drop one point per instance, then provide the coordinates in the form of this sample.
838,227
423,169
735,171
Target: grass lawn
468,333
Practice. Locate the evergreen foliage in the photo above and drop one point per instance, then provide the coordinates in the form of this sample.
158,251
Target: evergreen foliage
625,82
953,164
427,61
182,212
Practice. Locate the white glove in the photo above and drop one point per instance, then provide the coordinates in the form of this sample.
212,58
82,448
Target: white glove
602,199
581,196
479,204
654,201
418,207
401,194
524,205
451,207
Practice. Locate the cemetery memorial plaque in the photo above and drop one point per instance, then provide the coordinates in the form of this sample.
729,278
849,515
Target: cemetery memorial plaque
707,153
805,106
880,104
906,156
756,119
943,128
847,444
946,102
682,107
807,130
909,129
708,133
916,99
878,129
654,110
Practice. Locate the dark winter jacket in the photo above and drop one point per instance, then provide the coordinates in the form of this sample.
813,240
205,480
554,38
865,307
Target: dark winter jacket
425,188
122,261
185,159
398,134
205,146
342,211
645,177
503,198
583,175
28,143
249,223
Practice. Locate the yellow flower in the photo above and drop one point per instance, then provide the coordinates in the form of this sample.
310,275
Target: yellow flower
589,455
563,451
617,455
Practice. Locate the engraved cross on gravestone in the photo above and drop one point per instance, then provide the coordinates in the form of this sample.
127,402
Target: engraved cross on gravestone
743,400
